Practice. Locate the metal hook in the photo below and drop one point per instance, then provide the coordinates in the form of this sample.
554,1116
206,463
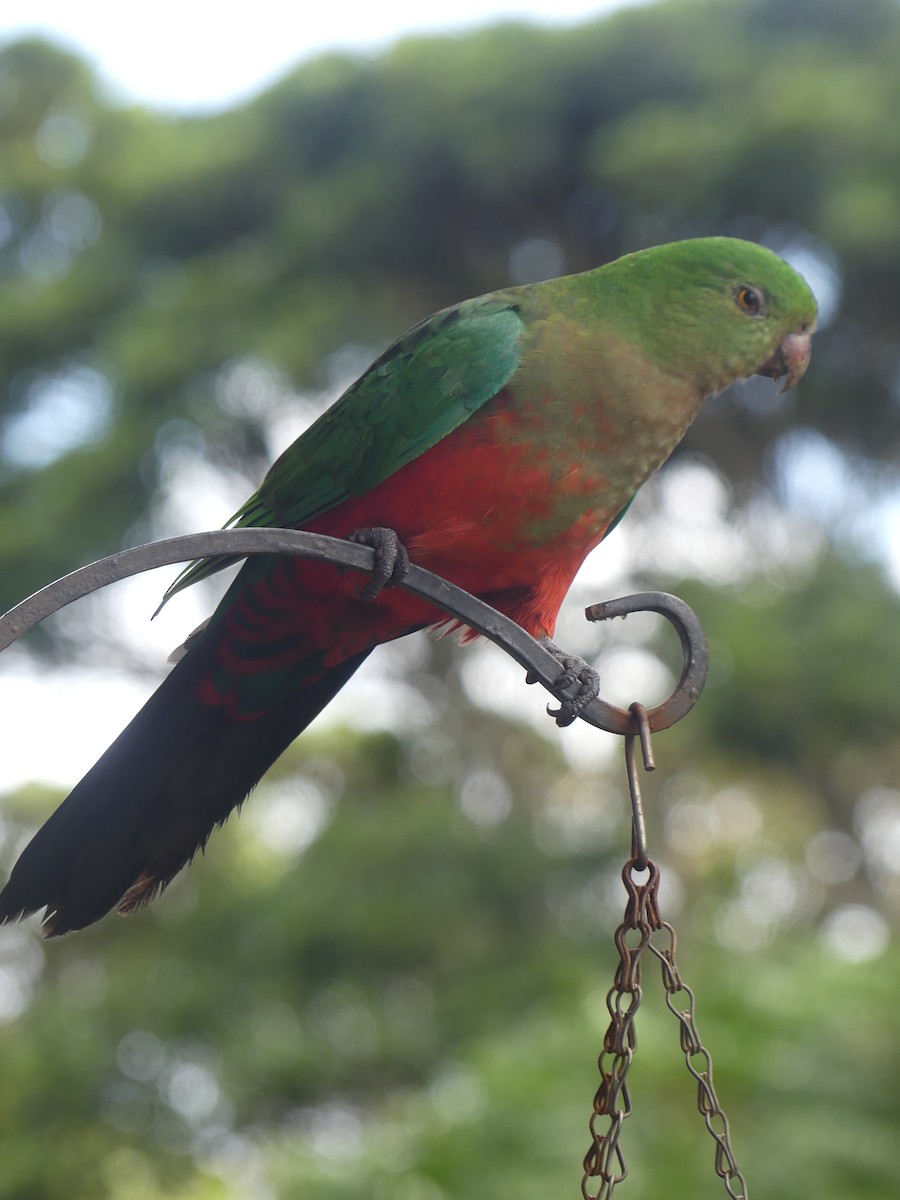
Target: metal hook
694,657
639,853
694,671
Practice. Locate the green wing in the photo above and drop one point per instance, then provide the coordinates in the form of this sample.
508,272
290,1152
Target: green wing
422,388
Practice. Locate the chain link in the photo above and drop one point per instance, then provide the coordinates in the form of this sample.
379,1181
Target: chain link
604,1163
694,1052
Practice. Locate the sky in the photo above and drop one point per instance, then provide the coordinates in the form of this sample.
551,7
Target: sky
196,54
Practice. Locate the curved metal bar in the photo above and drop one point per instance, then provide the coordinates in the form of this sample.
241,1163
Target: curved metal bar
694,652
538,662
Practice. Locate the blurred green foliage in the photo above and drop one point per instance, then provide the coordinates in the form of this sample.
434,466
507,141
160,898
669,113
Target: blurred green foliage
387,979
360,194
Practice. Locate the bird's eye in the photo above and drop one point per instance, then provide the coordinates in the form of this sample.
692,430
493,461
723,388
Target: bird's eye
749,299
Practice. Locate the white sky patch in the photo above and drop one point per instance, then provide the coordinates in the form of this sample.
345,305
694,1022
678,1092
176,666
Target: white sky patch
195,54
59,722
883,525
287,818
818,266
856,933
65,411
814,477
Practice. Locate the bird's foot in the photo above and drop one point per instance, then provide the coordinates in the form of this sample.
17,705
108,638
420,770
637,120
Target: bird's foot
391,559
575,671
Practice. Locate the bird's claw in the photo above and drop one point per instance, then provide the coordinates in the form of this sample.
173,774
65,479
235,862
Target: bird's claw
575,671
391,559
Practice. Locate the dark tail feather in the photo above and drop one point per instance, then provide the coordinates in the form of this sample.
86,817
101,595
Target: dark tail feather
150,803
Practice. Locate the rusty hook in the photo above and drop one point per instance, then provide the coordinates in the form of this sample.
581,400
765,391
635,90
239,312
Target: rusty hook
639,853
694,658
694,670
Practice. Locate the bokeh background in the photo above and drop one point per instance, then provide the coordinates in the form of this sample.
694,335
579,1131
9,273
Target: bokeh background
387,978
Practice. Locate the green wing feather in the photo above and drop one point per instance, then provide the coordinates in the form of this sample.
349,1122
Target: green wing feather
423,387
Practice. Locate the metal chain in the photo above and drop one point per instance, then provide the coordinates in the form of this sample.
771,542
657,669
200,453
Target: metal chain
694,1051
604,1163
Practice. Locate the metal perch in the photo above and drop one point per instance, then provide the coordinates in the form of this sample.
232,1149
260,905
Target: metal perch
538,662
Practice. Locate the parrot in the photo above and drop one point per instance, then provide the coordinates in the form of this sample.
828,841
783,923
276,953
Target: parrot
495,443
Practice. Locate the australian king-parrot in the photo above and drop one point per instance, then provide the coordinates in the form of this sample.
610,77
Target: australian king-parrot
498,440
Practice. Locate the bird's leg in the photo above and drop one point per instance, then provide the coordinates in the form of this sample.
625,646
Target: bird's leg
575,671
391,558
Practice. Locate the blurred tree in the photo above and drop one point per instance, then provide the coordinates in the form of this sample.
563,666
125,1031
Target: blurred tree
143,256
389,974
388,978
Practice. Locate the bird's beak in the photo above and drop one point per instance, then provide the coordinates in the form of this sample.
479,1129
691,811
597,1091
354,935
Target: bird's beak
790,359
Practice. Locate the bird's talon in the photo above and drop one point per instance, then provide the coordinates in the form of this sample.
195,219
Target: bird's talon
391,559
575,672
565,714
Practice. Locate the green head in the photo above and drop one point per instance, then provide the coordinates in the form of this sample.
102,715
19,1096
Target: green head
712,310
